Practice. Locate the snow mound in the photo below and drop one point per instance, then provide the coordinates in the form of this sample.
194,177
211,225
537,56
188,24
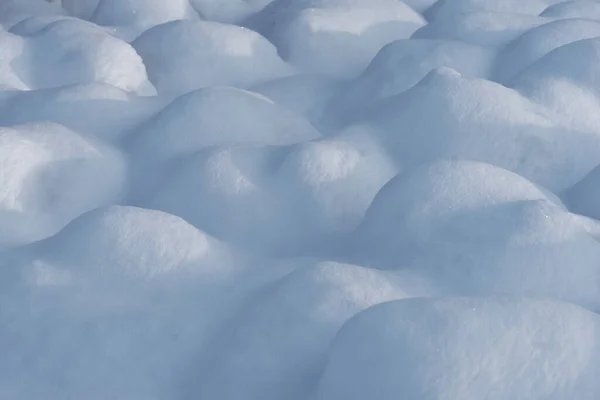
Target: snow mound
491,233
306,94
341,41
49,176
96,108
445,9
122,294
207,54
70,51
211,199
588,9
231,184
127,243
202,119
402,64
560,64
568,88
482,28
278,200
450,116
329,184
457,348
539,41
277,346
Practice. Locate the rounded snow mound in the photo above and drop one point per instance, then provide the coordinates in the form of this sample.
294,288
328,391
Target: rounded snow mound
539,41
456,348
482,28
494,233
207,54
450,116
82,53
445,9
224,191
402,64
34,25
49,176
277,346
328,185
120,242
215,116
568,89
341,41
229,11
588,9
559,65
220,116
415,205
96,108
306,94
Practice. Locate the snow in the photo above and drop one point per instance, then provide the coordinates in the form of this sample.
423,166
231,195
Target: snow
574,9
539,41
483,28
451,348
340,42
142,14
207,53
50,175
447,115
299,199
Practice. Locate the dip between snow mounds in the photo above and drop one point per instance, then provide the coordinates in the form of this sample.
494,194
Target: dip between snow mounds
119,303
202,119
276,348
280,200
588,9
123,243
99,109
466,349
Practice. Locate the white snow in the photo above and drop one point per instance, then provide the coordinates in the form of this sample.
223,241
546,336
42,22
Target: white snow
461,348
299,199
182,56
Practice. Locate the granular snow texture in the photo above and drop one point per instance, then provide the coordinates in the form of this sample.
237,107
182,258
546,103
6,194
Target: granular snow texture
299,199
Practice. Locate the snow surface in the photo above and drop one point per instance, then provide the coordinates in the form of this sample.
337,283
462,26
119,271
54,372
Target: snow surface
299,199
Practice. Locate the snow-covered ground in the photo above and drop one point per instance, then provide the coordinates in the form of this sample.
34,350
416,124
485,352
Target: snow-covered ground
299,199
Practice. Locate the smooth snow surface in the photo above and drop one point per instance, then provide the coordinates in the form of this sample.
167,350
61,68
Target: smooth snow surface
299,199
